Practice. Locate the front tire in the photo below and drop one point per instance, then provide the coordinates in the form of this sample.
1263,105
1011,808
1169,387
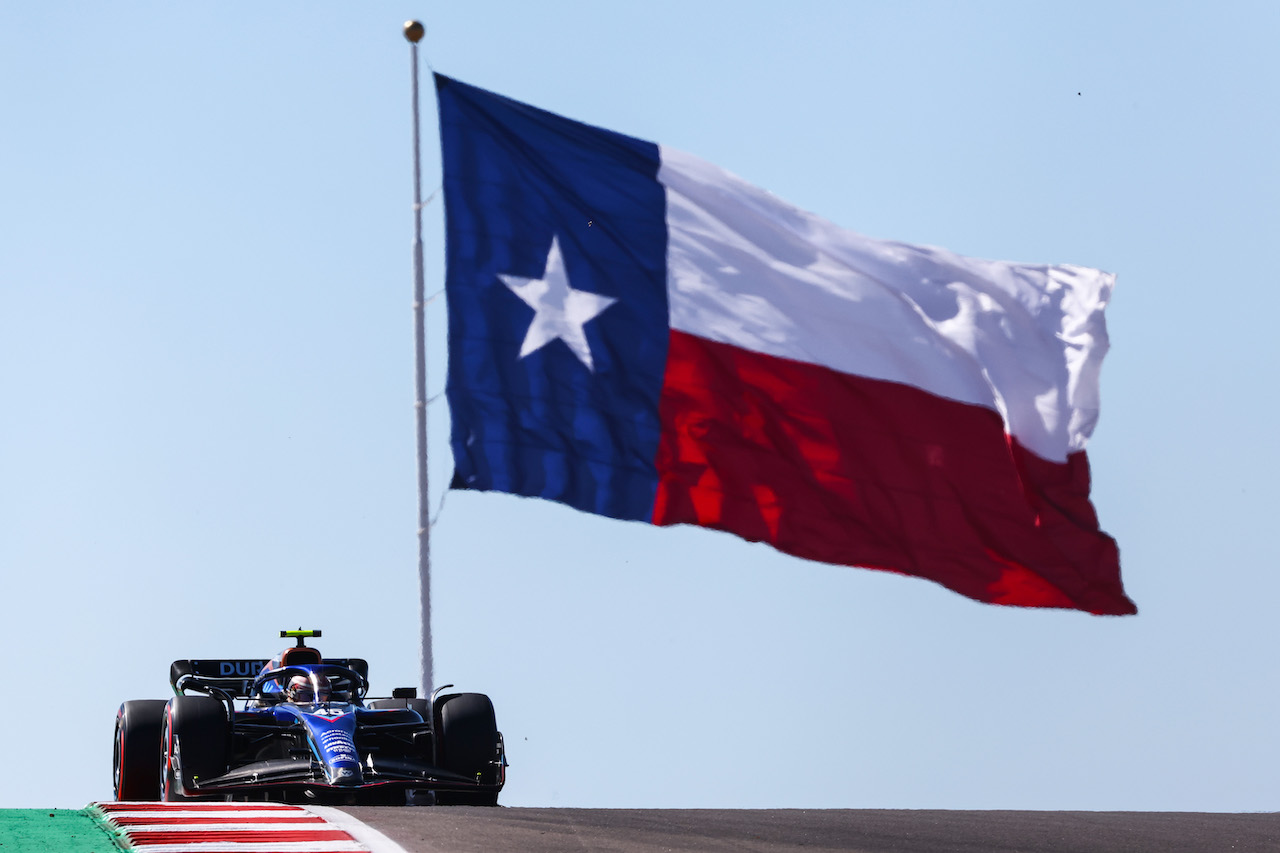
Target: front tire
134,774
468,743
194,746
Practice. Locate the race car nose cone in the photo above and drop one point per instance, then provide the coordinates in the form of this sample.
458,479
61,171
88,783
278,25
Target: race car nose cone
346,775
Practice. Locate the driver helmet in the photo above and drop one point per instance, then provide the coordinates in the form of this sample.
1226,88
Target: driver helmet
300,689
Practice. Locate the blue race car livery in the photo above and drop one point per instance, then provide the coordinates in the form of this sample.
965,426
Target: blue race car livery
305,732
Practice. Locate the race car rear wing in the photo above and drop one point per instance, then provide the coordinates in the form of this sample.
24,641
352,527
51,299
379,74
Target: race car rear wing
237,676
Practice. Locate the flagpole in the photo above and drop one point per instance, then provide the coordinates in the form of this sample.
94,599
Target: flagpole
413,31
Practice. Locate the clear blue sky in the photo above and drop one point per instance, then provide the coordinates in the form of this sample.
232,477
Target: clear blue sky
206,384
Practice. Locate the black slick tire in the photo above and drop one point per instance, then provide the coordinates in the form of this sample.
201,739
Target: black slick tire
194,744
134,773
468,744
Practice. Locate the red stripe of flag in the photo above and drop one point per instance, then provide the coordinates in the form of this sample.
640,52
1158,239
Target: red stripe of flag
843,469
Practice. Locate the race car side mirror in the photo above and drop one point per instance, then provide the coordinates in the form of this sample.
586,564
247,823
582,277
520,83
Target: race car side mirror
404,693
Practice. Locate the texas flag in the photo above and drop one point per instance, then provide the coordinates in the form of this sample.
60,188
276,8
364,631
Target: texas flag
637,333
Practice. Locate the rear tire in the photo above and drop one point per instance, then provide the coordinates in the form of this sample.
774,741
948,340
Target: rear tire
195,744
468,744
134,773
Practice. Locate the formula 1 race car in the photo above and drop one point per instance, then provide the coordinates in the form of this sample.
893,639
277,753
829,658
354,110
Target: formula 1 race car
305,733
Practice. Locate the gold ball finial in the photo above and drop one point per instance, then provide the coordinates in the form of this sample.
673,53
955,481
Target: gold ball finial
414,31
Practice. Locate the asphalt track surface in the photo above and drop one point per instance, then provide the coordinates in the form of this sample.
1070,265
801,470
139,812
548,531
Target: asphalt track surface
464,830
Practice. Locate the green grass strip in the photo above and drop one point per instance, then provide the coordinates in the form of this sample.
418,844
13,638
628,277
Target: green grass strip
46,830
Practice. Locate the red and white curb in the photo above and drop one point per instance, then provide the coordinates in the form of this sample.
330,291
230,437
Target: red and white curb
240,828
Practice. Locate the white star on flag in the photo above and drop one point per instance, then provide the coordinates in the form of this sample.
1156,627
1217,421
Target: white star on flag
559,310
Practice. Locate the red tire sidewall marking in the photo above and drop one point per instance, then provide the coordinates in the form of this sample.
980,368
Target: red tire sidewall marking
166,766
